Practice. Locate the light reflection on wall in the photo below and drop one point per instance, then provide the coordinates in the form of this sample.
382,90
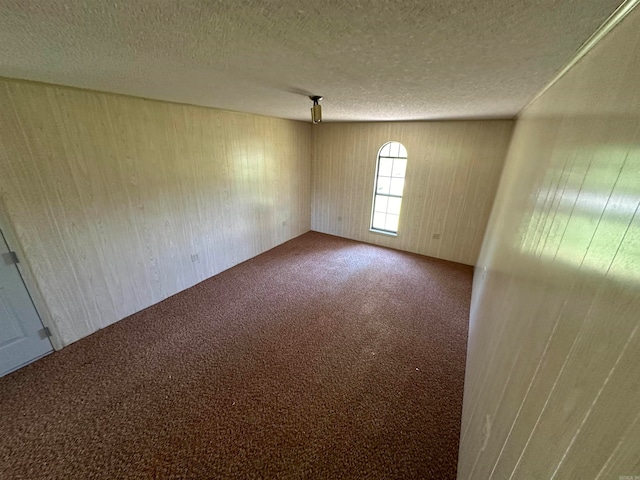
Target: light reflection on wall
588,216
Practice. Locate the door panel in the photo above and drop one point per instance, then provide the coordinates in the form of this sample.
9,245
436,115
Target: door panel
22,338
11,329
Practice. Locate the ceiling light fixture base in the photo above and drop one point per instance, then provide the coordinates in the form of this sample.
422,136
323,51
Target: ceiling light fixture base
316,110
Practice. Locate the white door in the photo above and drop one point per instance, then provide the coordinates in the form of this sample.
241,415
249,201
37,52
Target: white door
22,337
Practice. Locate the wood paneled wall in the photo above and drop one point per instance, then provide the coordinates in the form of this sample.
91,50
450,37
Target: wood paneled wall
453,170
552,387
119,202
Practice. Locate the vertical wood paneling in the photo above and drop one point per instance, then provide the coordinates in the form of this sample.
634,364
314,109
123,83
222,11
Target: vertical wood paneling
553,368
453,172
110,196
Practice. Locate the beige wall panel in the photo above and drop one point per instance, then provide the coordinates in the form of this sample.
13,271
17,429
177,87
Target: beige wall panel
552,386
453,170
110,196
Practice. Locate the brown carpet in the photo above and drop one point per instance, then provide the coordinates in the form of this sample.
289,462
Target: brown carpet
323,358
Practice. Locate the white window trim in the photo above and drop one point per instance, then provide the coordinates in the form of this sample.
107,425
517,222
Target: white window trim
375,186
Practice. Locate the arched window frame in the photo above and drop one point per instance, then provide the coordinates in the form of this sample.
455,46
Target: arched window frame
388,188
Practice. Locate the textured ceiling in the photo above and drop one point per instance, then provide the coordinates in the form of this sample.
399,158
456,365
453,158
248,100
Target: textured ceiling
371,60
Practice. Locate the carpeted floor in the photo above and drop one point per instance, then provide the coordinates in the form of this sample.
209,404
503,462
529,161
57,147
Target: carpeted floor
323,358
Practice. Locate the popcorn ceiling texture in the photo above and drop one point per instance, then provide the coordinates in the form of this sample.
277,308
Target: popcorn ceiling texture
384,60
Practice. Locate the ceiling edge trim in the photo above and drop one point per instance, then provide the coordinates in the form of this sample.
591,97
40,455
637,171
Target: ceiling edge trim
136,97
610,23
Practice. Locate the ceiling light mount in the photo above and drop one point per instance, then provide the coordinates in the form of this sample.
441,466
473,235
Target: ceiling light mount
316,110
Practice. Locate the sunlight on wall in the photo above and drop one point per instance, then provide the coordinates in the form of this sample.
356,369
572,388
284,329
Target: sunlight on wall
582,225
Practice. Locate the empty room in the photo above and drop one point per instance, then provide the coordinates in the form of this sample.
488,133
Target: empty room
320,240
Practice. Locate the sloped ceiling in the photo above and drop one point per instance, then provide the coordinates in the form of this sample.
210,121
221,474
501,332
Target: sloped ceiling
371,60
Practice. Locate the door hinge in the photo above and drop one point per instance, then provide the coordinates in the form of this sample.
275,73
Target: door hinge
44,332
10,258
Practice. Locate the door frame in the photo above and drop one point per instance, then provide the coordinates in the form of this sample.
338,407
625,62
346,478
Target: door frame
28,278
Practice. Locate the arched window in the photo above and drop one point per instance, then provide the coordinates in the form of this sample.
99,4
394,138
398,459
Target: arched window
388,187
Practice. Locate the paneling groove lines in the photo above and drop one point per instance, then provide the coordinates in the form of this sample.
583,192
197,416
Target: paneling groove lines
453,170
119,202
552,386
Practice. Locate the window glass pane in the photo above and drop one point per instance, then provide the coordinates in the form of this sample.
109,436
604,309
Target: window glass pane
381,203
391,223
397,185
403,151
399,167
378,220
390,174
393,150
385,167
393,205
383,185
